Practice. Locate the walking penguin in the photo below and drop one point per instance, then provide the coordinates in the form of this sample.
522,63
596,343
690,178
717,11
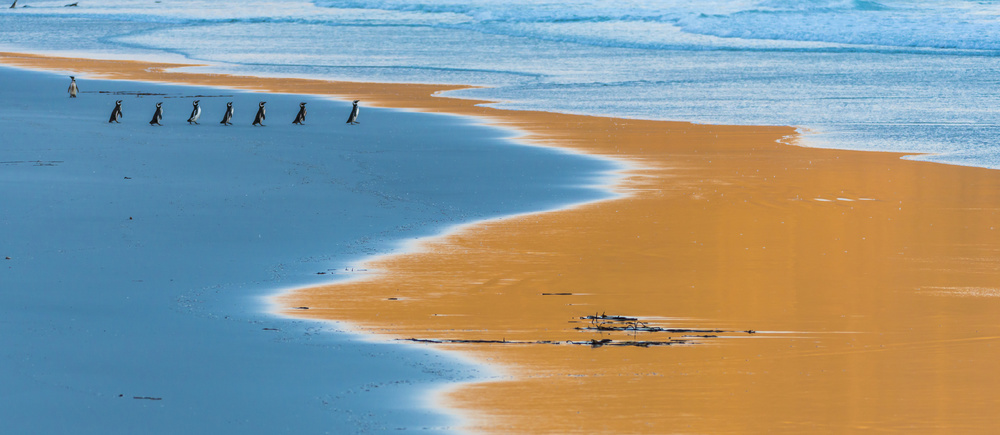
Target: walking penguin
259,119
353,119
195,112
227,119
158,115
116,113
72,87
301,117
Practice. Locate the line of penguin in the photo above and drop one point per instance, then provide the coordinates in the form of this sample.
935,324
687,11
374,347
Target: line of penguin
300,118
227,118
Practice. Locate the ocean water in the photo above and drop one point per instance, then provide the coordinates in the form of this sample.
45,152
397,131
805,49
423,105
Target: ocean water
895,75
917,76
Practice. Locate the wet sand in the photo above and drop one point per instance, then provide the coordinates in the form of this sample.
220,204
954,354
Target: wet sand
870,283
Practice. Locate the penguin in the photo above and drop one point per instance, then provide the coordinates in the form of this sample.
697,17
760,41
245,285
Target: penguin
228,117
158,115
259,119
116,114
195,113
301,117
72,87
353,119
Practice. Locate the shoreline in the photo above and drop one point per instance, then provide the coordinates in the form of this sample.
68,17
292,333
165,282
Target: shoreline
154,72
836,247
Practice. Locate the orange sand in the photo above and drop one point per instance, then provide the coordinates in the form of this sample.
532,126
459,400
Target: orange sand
873,282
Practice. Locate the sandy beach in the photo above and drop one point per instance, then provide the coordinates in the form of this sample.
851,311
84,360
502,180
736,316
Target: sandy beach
869,283
772,287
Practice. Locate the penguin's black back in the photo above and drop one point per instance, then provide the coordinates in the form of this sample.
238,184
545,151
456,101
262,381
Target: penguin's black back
116,112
